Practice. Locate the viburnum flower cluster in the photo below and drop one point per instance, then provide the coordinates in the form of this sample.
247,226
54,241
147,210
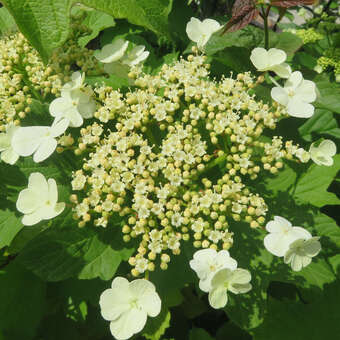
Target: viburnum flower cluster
153,167
168,161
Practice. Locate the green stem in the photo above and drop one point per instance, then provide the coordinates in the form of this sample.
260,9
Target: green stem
265,14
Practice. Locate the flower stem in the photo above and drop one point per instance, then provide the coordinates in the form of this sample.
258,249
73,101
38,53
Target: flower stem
265,14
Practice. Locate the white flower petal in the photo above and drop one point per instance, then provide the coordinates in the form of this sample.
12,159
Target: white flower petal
9,156
31,219
87,109
279,95
37,183
28,201
113,303
194,29
306,91
59,106
129,323
282,70
223,259
59,127
218,297
240,276
279,224
276,244
312,246
151,304
294,80
327,147
141,287
112,52
45,149
296,262
259,58
297,108
210,26
26,140
276,56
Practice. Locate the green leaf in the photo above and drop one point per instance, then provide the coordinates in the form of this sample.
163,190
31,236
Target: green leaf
10,225
156,327
327,227
322,122
96,21
22,297
47,24
317,274
335,263
7,23
286,41
60,253
199,334
306,60
329,96
314,321
283,181
44,23
249,37
312,186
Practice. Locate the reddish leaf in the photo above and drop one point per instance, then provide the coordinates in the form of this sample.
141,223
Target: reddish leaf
291,3
243,12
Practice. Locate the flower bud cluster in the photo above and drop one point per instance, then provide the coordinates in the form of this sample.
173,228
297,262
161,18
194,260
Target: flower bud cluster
171,159
23,75
330,60
309,35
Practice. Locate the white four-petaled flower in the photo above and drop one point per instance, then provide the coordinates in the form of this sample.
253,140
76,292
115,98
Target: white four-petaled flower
271,60
127,304
135,56
207,262
38,140
39,200
74,103
323,153
112,52
296,244
8,155
296,95
117,58
201,31
301,251
235,281
281,235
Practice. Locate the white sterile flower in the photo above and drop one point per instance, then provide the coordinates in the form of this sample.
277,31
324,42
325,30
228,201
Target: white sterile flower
77,81
322,154
127,304
296,95
271,60
74,105
235,281
281,235
38,140
207,262
301,251
112,52
135,56
39,201
8,155
302,155
201,31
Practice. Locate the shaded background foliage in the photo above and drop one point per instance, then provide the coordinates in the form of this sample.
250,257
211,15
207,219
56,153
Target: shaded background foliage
52,274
